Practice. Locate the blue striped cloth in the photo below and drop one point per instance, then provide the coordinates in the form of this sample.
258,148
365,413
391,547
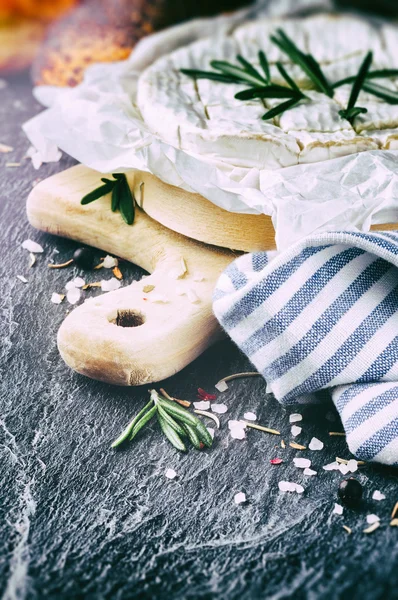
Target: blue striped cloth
323,315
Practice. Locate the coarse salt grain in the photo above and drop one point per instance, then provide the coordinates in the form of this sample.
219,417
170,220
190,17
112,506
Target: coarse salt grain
170,474
237,429
344,469
202,405
57,298
338,509
32,246
309,472
334,466
110,262
352,465
109,285
240,498
70,285
288,486
295,430
299,488
192,296
302,463
377,495
250,416
370,519
78,282
219,409
73,295
295,417
221,386
315,444
22,278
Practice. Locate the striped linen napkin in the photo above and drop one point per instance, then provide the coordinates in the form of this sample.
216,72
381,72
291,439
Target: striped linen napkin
323,315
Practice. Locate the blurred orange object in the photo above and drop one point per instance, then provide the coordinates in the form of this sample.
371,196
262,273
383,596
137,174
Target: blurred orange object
23,26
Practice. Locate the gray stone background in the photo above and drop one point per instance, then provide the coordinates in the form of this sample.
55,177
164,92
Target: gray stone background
78,520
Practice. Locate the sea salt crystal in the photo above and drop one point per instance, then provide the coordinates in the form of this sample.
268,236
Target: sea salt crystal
78,282
309,472
57,298
250,416
219,409
334,466
221,386
295,417
377,495
338,509
352,465
32,246
288,486
192,296
22,278
372,519
110,262
73,295
70,285
202,405
295,430
240,498
237,429
109,285
198,276
211,431
299,488
302,463
170,474
344,469
315,444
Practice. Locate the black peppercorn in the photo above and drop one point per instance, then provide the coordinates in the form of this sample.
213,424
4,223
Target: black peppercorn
84,258
350,492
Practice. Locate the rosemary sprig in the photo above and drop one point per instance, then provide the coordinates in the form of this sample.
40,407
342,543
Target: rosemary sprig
377,74
306,61
281,108
353,111
175,422
122,199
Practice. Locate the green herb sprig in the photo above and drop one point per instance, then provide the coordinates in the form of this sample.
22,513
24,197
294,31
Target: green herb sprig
175,422
122,198
352,111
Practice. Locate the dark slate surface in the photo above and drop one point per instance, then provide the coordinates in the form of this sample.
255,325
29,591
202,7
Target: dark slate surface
78,520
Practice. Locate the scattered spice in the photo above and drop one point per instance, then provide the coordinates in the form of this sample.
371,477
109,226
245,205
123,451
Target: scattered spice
347,529
204,413
276,461
261,428
343,461
337,433
117,272
372,528
203,395
394,523
11,165
60,265
238,376
148,288
297,446
94,284
172,399
283,445
4,149
394,511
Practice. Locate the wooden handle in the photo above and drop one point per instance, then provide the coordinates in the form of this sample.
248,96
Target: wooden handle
124,337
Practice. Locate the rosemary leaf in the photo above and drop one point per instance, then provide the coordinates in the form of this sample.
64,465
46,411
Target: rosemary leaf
192,436
97,193
115,198
287,78
359,80
236,72
351,113
377,74
264,65
197,74
249,68
172,422
171,434
269,91
126,202
277,110
203,433
177,412
128,430
143,421
390,96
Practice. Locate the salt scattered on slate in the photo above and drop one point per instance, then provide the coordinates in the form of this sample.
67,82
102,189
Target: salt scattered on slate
302,463
221,386
211,431
315,444
352,465
334,466
344,469
219,409
338,509
250,416
295,430
109,285
57,298
370,519
35,156
288,486
73,295
295,417
79,282
377,495
170,474
202,405
22,278
32,246
309,472
240,498
110,262
237,429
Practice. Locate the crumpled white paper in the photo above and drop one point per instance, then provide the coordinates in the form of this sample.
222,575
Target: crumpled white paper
97,124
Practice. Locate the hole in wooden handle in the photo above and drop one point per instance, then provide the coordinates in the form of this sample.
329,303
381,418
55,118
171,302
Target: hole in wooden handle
129,318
